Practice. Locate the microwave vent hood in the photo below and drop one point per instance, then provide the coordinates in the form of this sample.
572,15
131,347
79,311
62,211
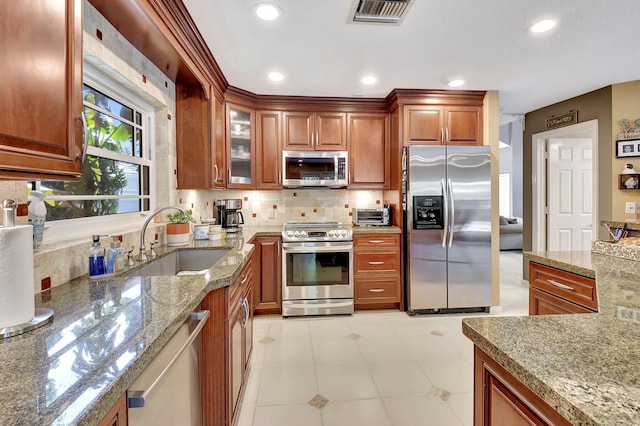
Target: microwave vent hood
379,11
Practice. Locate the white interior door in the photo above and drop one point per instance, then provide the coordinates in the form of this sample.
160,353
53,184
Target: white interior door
569,194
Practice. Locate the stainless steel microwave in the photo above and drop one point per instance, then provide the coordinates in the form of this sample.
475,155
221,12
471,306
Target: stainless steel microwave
320,169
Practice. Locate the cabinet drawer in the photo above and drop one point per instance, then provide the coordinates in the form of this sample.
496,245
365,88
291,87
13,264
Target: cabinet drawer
543,303
378,261
374,290
377,241
566,285
243,280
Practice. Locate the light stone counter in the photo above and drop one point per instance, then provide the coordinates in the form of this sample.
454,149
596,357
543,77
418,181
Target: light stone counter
103,335
584,365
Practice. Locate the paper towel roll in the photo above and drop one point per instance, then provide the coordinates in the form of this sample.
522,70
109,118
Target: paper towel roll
16,275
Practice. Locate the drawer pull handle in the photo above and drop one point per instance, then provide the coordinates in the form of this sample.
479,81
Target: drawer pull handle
376,263
376,241
376,290
560,285
244,279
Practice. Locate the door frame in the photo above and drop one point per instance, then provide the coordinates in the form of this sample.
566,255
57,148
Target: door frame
587,129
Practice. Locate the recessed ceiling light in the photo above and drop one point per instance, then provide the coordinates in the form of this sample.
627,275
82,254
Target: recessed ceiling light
276,76
542,26
455,83
267,11
369,79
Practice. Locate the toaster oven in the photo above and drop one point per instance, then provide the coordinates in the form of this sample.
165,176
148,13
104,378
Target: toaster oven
372,217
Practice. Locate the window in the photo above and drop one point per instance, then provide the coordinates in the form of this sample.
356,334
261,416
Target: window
117,165
504,181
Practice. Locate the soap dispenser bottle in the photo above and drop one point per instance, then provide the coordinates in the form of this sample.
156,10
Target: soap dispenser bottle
96,258
116,255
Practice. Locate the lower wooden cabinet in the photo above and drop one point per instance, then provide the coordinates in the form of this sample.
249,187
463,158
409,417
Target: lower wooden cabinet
552,291
377,271
226,347
117,415
501,399
267,290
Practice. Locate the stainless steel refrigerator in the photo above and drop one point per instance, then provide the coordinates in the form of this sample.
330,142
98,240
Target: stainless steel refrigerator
447,199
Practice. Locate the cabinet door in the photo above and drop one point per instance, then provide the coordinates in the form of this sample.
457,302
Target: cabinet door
219,176
298,131
117,415
241,147
41,87
424,125
268,284
330,131
268,151
236,354
369,152
463,125
193,142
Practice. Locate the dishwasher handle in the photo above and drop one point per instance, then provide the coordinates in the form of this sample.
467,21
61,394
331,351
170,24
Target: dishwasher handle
137,399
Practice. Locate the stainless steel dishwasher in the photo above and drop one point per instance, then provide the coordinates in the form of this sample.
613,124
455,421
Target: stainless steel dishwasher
168,391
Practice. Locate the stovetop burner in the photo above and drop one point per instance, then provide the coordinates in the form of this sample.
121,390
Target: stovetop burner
316,231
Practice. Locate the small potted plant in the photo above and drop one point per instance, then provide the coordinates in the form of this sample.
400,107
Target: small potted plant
179,228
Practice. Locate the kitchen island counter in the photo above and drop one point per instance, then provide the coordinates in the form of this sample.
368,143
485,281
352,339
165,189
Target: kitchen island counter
583,365
103,335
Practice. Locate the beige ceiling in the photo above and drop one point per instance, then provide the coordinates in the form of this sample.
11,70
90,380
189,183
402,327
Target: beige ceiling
485,42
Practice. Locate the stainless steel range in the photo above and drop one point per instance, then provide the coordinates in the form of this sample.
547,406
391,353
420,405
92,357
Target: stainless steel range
317,269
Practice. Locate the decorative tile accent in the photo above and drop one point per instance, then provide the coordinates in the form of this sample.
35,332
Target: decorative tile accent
318,401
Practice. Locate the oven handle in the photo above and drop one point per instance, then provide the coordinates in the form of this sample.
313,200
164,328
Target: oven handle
291,304
324,249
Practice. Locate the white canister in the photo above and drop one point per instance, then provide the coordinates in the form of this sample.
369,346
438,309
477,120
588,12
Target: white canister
201,232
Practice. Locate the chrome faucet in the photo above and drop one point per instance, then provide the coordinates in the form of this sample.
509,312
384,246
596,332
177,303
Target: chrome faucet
143,252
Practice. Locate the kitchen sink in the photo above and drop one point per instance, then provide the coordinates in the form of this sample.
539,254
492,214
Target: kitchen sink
181,261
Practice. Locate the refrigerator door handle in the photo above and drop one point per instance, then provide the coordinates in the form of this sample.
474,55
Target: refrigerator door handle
451,210
445,205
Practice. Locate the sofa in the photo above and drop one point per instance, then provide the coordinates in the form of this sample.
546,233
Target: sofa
510,233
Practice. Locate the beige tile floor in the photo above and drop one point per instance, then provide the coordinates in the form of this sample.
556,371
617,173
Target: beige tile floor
372,368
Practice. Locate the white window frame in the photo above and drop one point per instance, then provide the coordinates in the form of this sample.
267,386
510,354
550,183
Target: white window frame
80,227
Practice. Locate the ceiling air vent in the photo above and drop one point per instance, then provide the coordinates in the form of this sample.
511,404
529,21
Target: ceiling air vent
380,11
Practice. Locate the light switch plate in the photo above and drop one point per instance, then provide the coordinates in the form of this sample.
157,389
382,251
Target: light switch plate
630,207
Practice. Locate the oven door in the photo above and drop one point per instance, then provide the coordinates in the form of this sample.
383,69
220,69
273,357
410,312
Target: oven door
317,270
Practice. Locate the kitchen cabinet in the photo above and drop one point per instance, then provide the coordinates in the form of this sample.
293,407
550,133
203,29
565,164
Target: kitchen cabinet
553,291
240,147
377,271
369,150
117,414
319,131
501,399
443,125
200,148
267,291
268,150
226,346
41,86
240,335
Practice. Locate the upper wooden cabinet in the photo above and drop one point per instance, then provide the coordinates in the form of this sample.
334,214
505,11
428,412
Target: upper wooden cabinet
319,131
268,150
240,146
369,151
218,151
41,87
443,125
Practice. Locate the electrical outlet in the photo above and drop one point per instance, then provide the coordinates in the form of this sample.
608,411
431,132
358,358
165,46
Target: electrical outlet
630,207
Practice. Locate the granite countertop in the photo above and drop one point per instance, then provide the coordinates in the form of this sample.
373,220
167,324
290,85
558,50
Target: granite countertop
583,365
103,335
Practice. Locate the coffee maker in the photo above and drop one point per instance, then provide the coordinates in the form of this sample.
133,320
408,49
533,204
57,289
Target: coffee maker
229,214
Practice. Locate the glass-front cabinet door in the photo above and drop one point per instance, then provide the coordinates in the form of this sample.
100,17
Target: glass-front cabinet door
240,147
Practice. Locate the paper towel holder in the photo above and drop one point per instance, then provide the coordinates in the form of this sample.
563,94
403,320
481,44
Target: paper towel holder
43,316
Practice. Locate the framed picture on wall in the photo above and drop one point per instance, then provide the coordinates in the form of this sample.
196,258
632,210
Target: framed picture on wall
628,148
